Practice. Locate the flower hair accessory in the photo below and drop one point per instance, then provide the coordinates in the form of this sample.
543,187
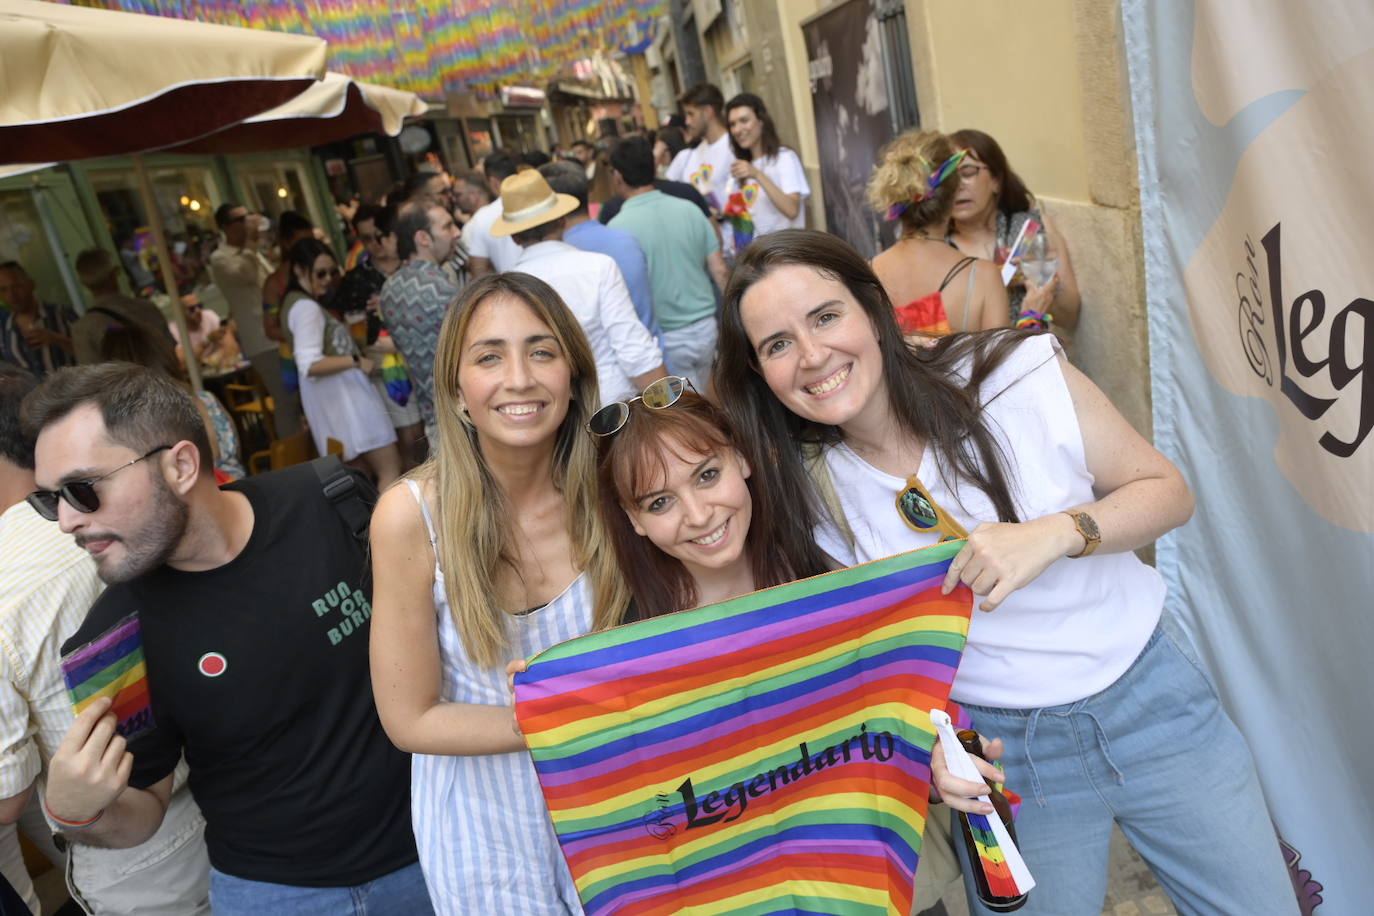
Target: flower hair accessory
937,178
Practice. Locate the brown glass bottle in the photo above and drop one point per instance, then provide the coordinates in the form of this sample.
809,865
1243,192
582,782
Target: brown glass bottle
974,745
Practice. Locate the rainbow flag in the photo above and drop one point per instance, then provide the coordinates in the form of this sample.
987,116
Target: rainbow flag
741,221
112,665
769,754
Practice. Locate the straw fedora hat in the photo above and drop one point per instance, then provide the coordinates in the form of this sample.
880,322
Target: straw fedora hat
528,201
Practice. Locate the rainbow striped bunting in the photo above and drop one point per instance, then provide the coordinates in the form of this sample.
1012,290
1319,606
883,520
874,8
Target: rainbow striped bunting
769,754
112,665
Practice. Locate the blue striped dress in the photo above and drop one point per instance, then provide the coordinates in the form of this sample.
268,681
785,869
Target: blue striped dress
483,832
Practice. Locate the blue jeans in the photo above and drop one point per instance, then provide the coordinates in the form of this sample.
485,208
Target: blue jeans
1157,754
401,893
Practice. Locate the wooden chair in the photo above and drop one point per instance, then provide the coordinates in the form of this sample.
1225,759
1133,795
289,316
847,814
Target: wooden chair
254,413
282,453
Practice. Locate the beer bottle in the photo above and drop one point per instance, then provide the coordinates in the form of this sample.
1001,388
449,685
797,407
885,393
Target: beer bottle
1002,808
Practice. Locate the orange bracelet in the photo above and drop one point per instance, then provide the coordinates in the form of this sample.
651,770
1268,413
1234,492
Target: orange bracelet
71,825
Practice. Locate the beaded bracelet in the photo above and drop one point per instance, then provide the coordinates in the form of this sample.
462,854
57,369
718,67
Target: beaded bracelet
71,825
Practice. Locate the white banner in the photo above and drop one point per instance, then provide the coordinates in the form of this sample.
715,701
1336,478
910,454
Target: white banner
1255,129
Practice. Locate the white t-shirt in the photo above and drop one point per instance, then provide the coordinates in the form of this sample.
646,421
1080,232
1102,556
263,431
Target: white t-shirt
477,237
705,167
592,286
785,170
1074,630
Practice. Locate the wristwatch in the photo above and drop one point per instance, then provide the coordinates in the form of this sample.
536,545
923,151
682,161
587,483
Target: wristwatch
1087,526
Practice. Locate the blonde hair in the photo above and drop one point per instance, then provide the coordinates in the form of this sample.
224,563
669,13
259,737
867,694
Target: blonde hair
903,177
475,537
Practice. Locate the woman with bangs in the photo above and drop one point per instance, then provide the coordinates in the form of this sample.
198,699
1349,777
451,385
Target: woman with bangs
492,550
679,505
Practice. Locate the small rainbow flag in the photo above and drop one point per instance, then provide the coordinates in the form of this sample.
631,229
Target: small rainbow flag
112,665
741,221
769,754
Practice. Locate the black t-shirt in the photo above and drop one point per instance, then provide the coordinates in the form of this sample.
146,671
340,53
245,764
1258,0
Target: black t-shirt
258,670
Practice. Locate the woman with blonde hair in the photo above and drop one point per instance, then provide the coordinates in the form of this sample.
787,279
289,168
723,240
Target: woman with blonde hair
492,550
915,184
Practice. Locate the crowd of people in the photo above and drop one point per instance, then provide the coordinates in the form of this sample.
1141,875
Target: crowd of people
604,402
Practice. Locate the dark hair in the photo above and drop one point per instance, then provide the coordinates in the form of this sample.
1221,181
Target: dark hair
630,460
477,181
417,185
587,143
499,165
142,408
412,216
535,158
1012,197
369,213
303,255
771,143
633,158
16,446
131,342
222,213
536,234
703,95
292,223
673,139
567,178
923,388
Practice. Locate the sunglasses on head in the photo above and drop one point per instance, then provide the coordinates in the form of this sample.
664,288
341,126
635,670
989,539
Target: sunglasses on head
922,513
660,393
79,494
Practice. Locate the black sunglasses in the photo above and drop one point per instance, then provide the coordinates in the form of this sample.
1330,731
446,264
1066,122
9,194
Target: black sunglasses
79,494
661,393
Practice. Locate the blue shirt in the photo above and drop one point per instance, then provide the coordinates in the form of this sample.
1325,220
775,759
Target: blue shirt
590,235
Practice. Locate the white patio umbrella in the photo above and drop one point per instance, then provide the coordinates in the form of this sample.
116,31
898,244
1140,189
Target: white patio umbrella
78,83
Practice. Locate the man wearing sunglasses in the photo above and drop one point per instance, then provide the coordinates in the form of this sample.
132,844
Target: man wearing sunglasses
47,584
254,608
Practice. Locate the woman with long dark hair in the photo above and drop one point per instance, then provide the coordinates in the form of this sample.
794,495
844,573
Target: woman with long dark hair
1106,718
339,401
768,175
678,502
992,205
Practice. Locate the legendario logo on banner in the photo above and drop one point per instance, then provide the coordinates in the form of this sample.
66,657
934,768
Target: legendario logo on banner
771,753
1253,129
1282,310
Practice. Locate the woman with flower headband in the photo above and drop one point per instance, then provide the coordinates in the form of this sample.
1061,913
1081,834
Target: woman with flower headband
914,184
1106,717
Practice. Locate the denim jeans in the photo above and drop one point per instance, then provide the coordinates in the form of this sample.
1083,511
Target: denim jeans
1157,754
401,893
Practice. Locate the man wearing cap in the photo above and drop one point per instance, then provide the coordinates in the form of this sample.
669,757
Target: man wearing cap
627,357
99,271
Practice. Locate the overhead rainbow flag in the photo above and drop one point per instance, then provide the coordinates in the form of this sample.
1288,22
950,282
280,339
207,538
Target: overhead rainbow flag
769,754
112,665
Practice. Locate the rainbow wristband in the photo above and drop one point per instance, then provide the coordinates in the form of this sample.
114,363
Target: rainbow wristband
71,825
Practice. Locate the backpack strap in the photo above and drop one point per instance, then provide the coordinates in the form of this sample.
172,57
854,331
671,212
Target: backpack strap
352,494
813,456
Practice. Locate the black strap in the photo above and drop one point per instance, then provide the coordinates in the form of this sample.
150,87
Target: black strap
954,271
110,312
353,495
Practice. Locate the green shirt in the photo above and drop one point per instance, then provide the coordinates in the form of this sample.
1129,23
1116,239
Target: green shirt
676,239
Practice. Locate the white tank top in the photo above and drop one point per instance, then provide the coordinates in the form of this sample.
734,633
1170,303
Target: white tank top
1075,629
